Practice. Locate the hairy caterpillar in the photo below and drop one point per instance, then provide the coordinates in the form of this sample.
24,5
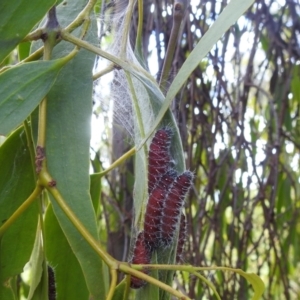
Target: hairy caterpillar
172,206
159,156
141,255
51,284
154,208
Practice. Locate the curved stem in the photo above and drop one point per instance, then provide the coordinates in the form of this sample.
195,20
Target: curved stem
84,14
113,284
37,191
129,270
118,162
208,283
178,15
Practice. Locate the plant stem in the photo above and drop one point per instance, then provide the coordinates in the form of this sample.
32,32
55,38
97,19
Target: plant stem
84,14
137,71
51,33
178,15
139,41
33,36
129,270
45,179
103,72
132,68
125,29
118,162
42,123
208,283
113,284
21,209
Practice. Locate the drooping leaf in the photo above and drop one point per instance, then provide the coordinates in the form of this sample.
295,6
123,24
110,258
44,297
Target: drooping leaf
17,18
16,184
23,88
255,281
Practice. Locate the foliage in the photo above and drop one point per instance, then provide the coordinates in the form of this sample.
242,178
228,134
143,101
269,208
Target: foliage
64,222
238,116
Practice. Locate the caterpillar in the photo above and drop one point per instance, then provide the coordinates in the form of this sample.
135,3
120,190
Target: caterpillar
172,206
154,208
159,158
141,255
51,284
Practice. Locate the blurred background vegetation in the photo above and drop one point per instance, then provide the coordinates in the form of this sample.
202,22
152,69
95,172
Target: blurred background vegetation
238,117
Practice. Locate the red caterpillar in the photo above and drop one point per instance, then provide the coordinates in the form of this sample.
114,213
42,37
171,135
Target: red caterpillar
141,255
154,208
181,238
173,205
159,156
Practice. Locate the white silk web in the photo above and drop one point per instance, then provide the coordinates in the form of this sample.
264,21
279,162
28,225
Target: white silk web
113,94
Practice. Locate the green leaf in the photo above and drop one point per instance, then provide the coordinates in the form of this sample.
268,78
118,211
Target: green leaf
36,263
17,18
95,190
68,138
150,291
120,291
24,50
22,89
69,279
16,184
255,281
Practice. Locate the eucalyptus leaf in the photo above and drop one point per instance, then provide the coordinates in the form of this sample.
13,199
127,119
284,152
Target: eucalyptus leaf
16,184
255,281
23,88
17,18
